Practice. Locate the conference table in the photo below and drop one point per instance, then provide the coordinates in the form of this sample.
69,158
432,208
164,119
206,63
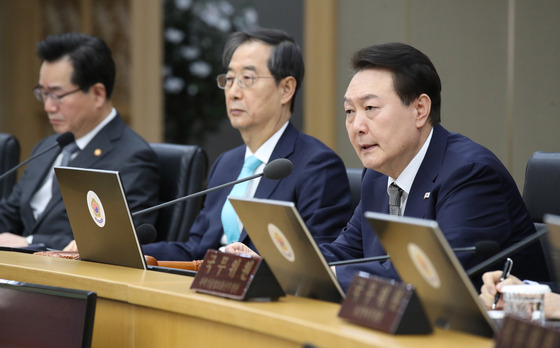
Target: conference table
144,308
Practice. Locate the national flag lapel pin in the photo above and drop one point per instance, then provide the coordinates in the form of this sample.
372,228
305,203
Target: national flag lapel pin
426,195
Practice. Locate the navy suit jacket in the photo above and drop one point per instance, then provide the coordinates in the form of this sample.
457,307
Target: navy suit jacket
472,197
121,149
318,186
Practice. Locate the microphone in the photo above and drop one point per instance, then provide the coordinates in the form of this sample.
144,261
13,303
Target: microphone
506,252
61,141
484,247
275,170
146,233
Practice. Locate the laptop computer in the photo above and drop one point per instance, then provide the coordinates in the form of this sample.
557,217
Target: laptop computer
422,257
101,220
283,240
99,216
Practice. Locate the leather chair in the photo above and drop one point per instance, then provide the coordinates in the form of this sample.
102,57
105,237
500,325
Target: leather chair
9,158
355,180
541,191
541,194
183,170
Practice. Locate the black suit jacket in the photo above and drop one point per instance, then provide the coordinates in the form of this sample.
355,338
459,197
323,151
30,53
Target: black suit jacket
115,147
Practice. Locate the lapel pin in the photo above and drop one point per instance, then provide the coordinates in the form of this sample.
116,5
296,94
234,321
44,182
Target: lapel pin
97,152
426,195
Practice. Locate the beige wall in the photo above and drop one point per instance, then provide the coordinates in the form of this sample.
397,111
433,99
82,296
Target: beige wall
499,62
135,32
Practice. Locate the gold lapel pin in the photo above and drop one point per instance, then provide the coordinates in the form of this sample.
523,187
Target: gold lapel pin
97,152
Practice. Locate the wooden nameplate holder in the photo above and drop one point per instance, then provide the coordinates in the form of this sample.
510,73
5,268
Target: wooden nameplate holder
236,277
384,305
517,333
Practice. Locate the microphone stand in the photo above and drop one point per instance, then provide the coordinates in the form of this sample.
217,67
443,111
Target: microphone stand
354,261
506,252
27,161
203,192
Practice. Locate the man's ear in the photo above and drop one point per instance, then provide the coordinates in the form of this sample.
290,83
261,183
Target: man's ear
287,88
423,105
99,93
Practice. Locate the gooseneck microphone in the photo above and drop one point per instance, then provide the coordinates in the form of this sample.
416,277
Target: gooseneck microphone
61,141
499,257
275,170
484,247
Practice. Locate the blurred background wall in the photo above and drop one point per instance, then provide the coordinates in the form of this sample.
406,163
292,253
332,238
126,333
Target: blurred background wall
499,62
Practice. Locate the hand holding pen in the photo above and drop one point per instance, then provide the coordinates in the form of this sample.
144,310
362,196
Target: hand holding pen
507,271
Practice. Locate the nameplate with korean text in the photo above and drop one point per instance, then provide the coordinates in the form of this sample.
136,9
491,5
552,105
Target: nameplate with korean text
384,305
517,332
238,277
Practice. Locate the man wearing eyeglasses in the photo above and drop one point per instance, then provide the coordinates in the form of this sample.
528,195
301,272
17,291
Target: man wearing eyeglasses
75,84
264,70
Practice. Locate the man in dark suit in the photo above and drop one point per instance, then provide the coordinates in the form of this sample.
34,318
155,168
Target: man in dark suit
392,107
75,84
264,71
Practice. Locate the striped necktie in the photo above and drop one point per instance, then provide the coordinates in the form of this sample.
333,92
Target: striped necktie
67,153
395,193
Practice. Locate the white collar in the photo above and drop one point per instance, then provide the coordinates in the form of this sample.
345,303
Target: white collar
406,178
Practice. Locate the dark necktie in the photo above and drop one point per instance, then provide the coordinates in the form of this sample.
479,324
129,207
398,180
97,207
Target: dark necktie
67,153
395,193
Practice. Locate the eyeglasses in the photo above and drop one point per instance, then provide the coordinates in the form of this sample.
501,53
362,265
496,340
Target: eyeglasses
42,95
243,81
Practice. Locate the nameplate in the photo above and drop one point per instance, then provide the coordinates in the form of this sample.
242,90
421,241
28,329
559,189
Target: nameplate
384,305
236,277
517,332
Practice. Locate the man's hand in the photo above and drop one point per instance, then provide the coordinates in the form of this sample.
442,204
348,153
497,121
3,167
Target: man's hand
8,239
491,286
71,246
240,249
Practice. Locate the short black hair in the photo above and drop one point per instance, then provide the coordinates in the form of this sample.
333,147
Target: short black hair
285,58
89,55
413,72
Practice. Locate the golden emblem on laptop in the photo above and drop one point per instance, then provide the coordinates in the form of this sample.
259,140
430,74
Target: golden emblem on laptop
96,208
281,242
424,266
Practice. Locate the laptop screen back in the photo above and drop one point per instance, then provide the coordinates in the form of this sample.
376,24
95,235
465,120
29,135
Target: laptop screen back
283,240
99,216
422,257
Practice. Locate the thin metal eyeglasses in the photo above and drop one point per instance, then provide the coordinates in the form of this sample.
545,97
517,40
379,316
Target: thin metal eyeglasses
243,81
42,95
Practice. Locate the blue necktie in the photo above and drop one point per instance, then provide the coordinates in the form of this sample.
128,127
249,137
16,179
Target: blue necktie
229,217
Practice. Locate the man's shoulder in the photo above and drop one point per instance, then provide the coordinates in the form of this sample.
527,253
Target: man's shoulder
118,131
467,150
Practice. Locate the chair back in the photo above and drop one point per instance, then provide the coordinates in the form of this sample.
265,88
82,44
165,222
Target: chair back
9,158
541,194
541,191
355,180
183,171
